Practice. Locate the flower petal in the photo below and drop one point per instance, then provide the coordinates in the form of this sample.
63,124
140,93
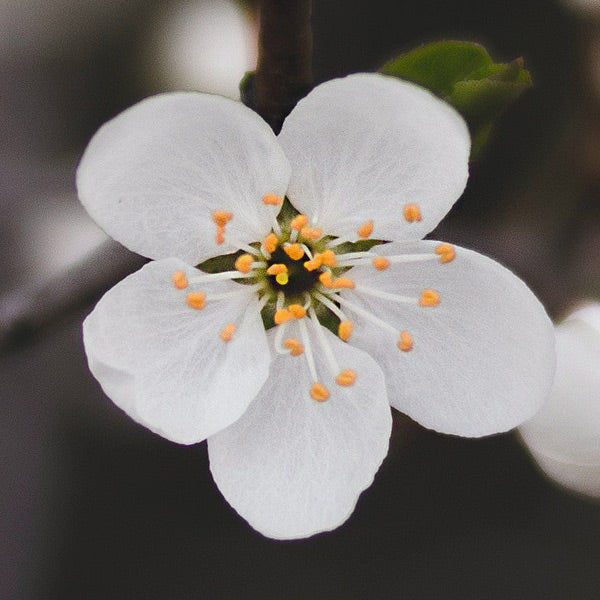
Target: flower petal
365,146
292,466
564,436
165,364
153,176
482,360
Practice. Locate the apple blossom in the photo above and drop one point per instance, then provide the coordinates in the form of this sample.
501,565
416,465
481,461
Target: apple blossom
297,418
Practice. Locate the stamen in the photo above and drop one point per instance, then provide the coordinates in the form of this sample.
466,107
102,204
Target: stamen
221,218
294,346
343,283
367,315
326,278
345,330
276,269
319,392
314,263
195,300
337,311
365,230
227,332
386,295
412,213
298,222
406,342
311,233
381,263
282,278
283,315
270,243
220,276
297,310
328,258
446,252
429,298
272,199
179,280
346,377
244,263
220,236
294,251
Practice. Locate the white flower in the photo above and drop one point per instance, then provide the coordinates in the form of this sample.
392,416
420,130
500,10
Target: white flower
297,419
564,437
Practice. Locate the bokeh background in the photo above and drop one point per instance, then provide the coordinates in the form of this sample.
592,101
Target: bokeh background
94,506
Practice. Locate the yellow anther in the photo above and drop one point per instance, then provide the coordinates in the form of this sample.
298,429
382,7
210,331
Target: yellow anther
227,332
319,392
272,199
314,264
346,377
311,233
294,346
282,278
270,242
446,252
365,230
429,298
412,213
221,218
381,263
327,258
243,263
325,278
343,283
283,315
294,251
220,237
196,300
345,330
179,280
297,310
276,269
298,222
406,342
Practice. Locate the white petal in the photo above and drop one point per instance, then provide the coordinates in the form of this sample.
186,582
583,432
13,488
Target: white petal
165,364
153,176
293,467
363,147
564,436
482,361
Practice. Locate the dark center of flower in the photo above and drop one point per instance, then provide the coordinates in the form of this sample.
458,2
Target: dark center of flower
299,280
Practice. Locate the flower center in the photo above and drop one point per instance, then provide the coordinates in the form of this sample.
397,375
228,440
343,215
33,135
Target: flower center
292,278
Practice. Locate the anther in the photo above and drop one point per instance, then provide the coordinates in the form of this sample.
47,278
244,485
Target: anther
346,377
327,258
298,222
196,300
297,310
227,332
272,199
243,263
326,279
314,264
311,233
270,243
319,392
381,263
220,237
179,280
345,330
446,252
276,269
343,283
406,342
412,213
294,251
429,298
365,230
283,315
294,346
282,278
221,217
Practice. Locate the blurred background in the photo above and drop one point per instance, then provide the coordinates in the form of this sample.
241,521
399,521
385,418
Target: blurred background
94,506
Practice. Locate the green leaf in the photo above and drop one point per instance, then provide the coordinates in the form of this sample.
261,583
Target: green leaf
465,75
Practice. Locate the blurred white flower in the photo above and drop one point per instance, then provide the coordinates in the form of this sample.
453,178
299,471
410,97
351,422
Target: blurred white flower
564,437
297,418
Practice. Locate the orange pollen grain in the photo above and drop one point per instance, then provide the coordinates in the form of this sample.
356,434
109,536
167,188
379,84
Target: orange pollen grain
346,377
221,218
227,332
406,342
319,392
412,213
270,242
294,251
276,269
283,315
294,346
298,222
297,310
311,233
243,263
446,252
365,230
345,330
179,280
272,199
325,278
343,283
195,300
314,264
429,298
328,258
381,263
